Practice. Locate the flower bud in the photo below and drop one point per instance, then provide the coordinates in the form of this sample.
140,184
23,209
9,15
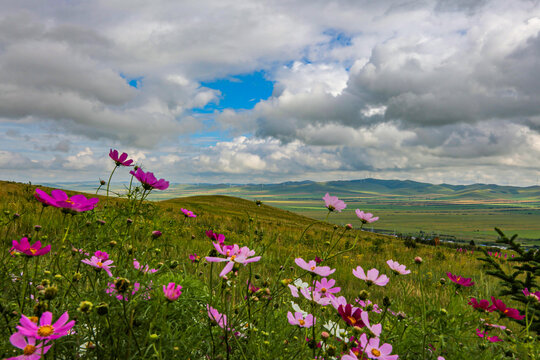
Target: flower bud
129,221
37,227
50,292
122,285
102,309
102,182
386,301
154,337
173,264
363,295
85,307
418,260
325,335
348,227
156,234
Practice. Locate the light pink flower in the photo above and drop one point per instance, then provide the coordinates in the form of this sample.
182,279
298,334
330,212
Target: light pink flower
372,276
24,247
333,203
326,286
312,267
172,291
337,301
214,315
144,269
46,330
234,254
31,350
397,268
366,217
299,319
316,296
375,329
374,351
99,264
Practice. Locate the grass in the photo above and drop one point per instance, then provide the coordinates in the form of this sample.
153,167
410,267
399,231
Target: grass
434,317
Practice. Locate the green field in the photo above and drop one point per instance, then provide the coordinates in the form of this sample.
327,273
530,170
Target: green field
453,212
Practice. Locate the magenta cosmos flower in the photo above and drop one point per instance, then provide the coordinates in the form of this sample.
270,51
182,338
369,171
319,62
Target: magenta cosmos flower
366,217
46,329
532,295
483,304
352,315
172,291
31,350
333,203
149,181
311,266
187,213
220,238
466,282
194,258
99,264
59,199
299,319
23,246
510,312
120,160
397,267
489,338
374,351
372,276
234,254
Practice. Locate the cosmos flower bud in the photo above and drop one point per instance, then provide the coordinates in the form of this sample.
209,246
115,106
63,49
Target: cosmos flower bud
325,335
386,301
102,182
348,227
85,307
50,292
363,295
129,221
37,227
418,260
102,309
77,276
122,285
156,234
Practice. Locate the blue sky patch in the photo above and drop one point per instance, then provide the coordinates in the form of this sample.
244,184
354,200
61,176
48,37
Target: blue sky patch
135,82
239,91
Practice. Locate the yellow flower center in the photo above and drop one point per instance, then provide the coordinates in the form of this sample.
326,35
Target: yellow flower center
228,252
233,257
33,319
505,311
458,278
323,290
29,349
356,352
69,201
301,322
375,352
313,268
33,251
99,263
45,330
351,319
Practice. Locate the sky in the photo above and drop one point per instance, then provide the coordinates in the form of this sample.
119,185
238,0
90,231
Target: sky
269,91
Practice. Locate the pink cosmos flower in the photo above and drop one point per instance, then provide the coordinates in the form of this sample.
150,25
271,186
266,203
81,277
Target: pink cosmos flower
300,320
368,305
234,254
312,267
60,199
532,295
46,330
326,286
337,301
482,305
172,291
375,329
397,268
490,339
24,247
31,350
149,181
466,282
372,276
99,264
188,213
366,217
316,296
374,351
145,294
144,269
102,255
510,312
352,355
120,160
219,319
194,258
333,203
220,238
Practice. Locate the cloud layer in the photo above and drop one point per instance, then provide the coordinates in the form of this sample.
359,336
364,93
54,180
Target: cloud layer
428,90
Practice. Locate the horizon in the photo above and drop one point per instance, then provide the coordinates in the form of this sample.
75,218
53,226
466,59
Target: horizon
437,91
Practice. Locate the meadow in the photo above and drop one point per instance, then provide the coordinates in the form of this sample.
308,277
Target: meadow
116,276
